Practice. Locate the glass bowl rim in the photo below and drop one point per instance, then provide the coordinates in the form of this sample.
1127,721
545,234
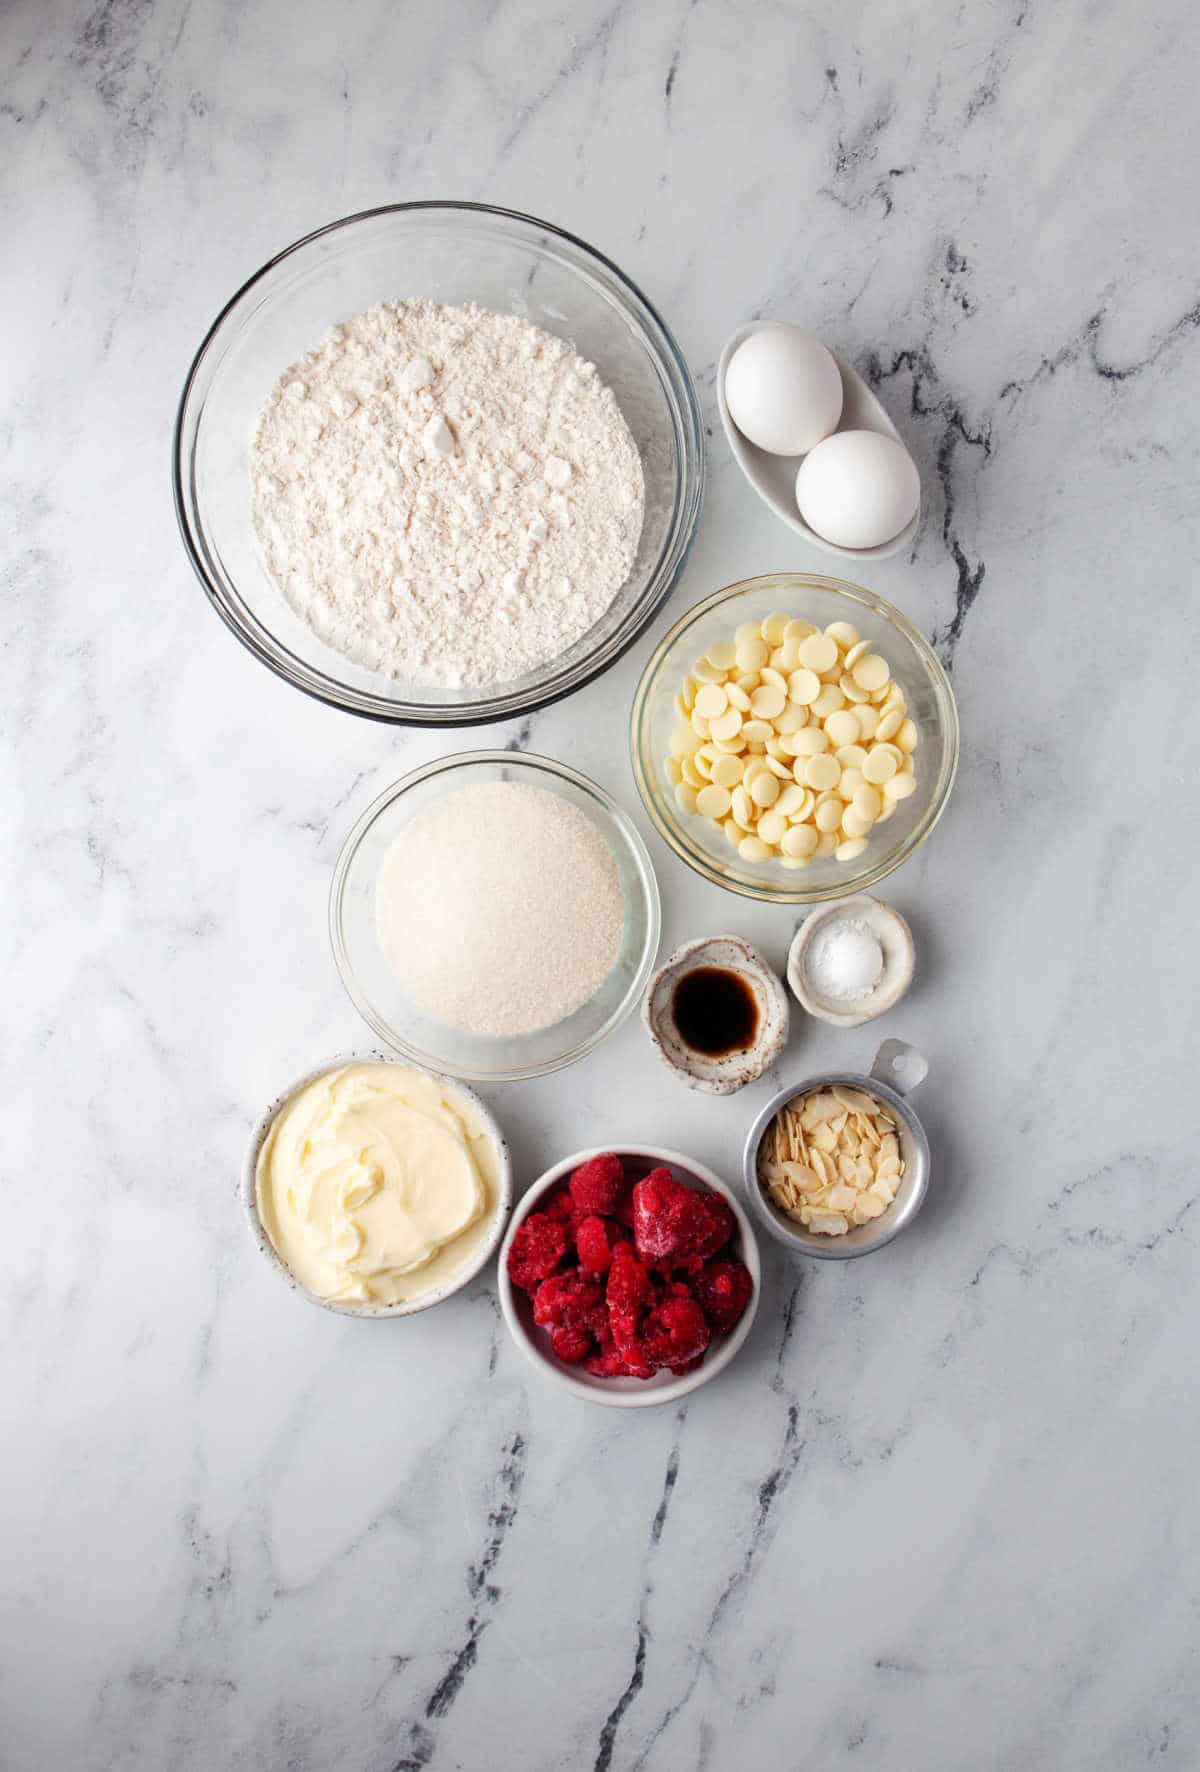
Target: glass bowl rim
685,517
860,881
617,818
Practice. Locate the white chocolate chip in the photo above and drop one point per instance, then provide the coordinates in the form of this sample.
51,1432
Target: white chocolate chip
812,720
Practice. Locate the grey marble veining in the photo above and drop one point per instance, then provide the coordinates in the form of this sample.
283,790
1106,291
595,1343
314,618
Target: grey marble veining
941,1512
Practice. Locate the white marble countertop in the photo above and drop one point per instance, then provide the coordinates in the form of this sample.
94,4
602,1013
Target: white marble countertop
942,1511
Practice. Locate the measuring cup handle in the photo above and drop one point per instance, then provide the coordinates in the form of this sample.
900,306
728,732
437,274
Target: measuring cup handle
900,1066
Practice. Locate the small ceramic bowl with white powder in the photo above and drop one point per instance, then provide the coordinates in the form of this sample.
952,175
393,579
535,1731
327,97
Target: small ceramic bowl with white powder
494,916
851,961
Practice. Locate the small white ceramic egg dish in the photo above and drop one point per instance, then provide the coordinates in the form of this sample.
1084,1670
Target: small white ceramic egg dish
774,477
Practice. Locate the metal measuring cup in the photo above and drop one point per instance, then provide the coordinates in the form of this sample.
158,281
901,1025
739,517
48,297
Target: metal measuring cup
898,1069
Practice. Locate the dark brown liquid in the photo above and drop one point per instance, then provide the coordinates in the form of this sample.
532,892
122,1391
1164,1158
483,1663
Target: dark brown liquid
715,1011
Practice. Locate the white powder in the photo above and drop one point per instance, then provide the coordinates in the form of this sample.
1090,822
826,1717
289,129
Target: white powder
500,910
447,495
845,962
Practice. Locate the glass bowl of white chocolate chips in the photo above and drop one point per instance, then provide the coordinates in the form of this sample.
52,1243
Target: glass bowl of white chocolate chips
794,738
438,464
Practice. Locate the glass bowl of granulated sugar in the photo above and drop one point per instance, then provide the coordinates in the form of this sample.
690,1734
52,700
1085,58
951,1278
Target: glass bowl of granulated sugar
494,916
438,464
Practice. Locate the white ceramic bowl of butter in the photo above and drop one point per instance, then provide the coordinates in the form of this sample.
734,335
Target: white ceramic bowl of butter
372,1238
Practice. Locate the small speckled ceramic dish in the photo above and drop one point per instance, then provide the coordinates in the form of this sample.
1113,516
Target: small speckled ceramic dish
896,945
482,1247
627,1393
898,1069
719,1076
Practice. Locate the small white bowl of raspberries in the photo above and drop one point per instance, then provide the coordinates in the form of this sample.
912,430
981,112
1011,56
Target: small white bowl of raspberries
630,1276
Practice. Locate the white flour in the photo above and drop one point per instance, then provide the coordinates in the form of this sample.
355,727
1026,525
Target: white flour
500,909
447,495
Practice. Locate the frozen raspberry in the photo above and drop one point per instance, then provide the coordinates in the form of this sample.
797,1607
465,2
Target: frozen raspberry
629,1347
568,1301
627,1294
599,1185
675,1332
721,1226
571,1345
674,1225
608,1363
536,1250
723,1289
593,1244
628,1283
558,1203
688,1366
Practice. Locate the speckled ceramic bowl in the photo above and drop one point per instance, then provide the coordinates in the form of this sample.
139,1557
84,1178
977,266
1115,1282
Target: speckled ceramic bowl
626,1393
437,1294
733,1070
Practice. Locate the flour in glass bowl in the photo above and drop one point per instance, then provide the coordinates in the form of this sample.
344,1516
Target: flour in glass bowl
446,495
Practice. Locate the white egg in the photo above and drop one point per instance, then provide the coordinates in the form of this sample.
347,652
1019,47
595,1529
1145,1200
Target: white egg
858,489
783,389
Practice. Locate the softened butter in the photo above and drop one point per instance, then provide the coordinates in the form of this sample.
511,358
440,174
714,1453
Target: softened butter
375,1182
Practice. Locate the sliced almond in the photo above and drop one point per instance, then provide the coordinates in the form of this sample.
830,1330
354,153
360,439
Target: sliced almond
828,1224
831,1158
823,1165
854,1099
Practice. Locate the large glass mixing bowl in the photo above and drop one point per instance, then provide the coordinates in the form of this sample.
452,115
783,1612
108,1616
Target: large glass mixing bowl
453,253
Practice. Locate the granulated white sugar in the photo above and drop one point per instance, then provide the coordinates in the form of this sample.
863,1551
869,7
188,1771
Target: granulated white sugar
500,909
446,495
